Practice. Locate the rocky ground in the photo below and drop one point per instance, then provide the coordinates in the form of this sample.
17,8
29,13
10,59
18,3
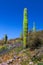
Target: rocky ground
24,57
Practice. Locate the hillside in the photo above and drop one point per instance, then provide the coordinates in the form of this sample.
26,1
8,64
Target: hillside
30,34
13,52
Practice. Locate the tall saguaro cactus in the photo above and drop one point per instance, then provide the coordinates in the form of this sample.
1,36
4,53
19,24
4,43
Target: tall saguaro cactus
25,28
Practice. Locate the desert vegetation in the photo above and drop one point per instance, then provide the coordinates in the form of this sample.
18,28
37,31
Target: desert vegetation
25,50
15,53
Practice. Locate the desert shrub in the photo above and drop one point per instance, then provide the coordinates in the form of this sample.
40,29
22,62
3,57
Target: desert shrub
41,63
35,42
36,58
3,48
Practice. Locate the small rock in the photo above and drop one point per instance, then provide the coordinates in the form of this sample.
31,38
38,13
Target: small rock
31,63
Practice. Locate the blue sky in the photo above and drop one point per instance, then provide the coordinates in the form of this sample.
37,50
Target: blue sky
11,16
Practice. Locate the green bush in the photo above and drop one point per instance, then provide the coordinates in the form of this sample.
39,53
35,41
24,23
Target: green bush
41,63
3,48
36,58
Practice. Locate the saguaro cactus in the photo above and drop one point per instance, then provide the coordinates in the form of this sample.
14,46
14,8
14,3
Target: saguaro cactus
34,27
25,28
5,38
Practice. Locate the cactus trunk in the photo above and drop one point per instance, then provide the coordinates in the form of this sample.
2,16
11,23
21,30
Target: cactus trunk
25,28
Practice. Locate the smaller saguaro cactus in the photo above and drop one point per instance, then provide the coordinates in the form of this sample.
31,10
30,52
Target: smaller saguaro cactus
5,38
21,35
34,27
